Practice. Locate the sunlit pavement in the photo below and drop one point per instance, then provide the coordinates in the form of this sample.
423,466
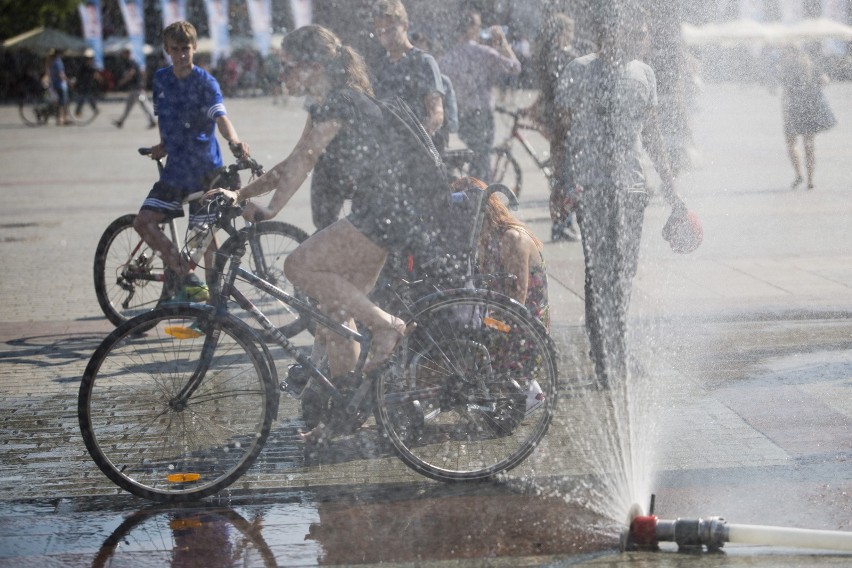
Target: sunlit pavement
746,342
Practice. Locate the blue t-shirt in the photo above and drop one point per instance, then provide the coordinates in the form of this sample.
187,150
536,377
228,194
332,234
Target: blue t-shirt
187,110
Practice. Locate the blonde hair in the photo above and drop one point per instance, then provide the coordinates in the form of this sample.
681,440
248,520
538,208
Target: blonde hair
181,33
497,219
316,44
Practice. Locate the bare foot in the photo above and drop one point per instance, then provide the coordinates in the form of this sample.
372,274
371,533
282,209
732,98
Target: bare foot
316,437
796,182
385,341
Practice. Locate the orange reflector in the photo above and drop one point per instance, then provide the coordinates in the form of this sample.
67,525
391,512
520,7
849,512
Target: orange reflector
496,324
180,332
183,477
182,524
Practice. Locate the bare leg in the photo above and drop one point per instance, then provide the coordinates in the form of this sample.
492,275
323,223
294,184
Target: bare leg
147,224
794,159
810,160
339,266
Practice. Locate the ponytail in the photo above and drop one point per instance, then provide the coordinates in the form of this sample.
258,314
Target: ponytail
316,44
353,70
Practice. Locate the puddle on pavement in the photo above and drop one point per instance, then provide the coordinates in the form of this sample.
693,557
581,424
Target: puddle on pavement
306,528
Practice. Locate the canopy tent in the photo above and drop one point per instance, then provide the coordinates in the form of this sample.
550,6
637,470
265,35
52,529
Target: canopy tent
114,44
751,31
41,40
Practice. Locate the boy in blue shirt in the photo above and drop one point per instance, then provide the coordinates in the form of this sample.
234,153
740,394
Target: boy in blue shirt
190,107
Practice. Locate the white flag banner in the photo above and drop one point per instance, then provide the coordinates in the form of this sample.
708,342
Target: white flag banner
260,18
134,21
90,16
173,11
217,20
303,12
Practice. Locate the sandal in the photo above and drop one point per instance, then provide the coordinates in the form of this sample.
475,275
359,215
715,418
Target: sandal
385,350
320,436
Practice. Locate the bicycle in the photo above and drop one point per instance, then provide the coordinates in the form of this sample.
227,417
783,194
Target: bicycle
505,168
130,277
39,109
185,411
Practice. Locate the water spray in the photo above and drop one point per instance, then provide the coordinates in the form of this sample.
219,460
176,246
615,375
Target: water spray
645,532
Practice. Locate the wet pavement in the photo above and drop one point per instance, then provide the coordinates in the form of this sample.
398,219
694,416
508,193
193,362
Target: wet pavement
745,414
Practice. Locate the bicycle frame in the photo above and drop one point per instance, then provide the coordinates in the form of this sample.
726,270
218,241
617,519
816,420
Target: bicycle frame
516,133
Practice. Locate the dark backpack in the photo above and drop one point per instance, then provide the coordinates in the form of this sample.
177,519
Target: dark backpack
445,225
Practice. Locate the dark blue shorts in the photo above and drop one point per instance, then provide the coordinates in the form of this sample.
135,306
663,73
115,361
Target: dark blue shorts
168,200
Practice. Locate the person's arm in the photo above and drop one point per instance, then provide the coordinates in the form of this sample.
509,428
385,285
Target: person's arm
286,177
511,65
227,130
515,260
653,142
434,119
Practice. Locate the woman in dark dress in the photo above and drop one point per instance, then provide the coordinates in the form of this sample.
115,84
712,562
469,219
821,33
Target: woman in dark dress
805,109
339,265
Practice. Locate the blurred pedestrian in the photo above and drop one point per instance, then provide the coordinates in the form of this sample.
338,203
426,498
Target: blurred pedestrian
475,69
406,71
133,79
806,111
610,99
554,51
87,84
58,82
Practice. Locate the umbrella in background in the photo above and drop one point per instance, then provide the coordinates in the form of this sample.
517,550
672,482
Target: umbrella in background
41,40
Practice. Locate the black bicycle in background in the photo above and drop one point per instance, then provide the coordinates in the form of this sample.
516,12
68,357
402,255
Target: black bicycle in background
177,403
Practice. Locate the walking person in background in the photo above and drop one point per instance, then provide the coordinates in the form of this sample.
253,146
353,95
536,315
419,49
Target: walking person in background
554,51
475,69
805,109
133,79
406,71
87,84
58,81
610,99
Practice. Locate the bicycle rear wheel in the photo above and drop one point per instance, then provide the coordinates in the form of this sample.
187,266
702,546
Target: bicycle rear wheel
506,170
268,246
150,440
34,111
85,116
473,390
129,275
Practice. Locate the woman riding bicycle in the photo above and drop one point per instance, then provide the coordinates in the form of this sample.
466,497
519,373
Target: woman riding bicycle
339,265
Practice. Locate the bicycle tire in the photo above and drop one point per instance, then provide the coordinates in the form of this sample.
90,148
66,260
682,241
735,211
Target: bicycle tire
151,444
86,117
34,112
129,275
265,255
506,170
453,401
157,532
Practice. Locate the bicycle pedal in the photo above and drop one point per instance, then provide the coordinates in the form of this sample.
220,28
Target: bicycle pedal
297,380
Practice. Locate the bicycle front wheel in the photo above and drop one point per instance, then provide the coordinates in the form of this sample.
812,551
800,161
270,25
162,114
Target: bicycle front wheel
473,390
506,170
179,413
129,275
269,243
